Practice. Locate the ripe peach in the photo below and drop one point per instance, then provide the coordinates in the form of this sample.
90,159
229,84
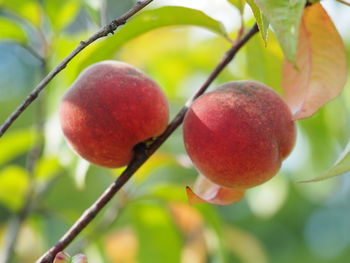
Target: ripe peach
238,135
110,108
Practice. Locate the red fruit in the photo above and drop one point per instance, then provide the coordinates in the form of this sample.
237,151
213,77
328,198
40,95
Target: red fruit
238,135
110,108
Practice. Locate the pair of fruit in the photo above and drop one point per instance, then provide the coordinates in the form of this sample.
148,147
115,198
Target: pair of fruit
236,136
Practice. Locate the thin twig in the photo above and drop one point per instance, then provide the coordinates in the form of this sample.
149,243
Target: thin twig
343,2
142,154
241,30
110,28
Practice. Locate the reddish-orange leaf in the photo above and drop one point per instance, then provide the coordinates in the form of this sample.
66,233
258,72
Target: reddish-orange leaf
193,198
208,192
62,257
320,71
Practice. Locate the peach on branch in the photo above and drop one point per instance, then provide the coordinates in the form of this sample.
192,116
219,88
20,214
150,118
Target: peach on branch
109,109
238,135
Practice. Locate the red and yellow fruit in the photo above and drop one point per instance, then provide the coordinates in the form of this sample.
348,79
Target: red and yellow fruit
109,109
238,135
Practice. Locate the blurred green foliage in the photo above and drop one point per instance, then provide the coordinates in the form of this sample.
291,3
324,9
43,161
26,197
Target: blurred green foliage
149,221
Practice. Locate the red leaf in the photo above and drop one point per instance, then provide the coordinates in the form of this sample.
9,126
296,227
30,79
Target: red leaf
320,71
208,192
62,257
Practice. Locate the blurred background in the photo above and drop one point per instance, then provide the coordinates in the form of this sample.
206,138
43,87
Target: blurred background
44,186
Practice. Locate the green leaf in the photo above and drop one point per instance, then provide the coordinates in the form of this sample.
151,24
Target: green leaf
29,10
93,11
13,186
61,13
261,20
15,143
168,193
67,199
159,240
341,166
47,167
263,60
239,4
10,30
147,21
285,17
321,147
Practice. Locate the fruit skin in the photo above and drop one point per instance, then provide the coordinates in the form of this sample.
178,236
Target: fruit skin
110,108
238,135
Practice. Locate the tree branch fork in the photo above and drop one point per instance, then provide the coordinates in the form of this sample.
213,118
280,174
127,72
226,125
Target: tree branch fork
142,154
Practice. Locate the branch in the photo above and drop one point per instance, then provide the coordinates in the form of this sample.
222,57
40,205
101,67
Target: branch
343,2
110,28
142,154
